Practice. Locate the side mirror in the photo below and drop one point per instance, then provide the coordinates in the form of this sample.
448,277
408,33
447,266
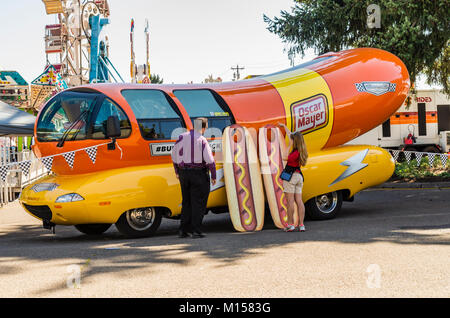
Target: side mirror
112,130
112,127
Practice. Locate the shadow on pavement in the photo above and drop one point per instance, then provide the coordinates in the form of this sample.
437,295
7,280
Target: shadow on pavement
409,217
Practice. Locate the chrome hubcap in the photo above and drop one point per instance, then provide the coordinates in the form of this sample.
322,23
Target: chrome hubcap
141,219
326,203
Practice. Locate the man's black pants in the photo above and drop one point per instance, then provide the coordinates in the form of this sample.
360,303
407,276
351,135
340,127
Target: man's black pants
195,192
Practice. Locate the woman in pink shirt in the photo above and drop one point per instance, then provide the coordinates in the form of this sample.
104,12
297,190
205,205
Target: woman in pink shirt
293,188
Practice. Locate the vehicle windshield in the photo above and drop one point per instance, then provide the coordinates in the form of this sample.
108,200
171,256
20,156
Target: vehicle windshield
73,115
60,115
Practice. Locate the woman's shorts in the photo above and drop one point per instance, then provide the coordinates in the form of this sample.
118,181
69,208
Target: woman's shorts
295,185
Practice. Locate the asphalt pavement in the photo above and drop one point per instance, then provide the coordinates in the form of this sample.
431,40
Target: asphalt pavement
387,243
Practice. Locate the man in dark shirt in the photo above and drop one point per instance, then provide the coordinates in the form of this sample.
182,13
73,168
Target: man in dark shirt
193,160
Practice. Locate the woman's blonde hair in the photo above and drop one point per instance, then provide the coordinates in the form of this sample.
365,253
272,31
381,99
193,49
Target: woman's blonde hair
300,145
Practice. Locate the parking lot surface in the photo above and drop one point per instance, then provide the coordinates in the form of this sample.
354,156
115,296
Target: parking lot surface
387,243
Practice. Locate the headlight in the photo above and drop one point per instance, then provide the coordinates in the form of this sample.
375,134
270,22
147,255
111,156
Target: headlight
71,197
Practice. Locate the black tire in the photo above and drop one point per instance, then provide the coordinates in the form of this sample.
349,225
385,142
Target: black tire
142,222
92,229
325,206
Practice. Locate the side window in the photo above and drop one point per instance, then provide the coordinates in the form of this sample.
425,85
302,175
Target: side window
387,128
67,115
155,113
108,108
203,103
219,123
422,119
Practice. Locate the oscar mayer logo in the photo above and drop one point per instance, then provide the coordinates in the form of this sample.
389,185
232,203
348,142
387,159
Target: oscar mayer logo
310,114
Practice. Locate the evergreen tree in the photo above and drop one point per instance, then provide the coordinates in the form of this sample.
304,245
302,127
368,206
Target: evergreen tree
156,79
416,31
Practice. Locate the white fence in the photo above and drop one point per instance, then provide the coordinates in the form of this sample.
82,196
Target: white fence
16,179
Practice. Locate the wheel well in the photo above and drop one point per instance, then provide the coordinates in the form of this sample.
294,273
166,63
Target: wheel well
165,211
344,192
346,195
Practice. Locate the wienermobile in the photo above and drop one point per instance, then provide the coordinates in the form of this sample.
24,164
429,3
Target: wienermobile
332,99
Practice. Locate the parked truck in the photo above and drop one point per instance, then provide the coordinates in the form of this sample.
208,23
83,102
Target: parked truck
424,126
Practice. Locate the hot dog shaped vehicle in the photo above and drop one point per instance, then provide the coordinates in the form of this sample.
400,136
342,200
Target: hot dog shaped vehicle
332,99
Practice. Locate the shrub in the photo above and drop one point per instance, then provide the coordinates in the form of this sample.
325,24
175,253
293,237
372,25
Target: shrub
424,171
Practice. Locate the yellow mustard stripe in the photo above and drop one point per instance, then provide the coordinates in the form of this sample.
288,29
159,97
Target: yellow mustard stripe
301,88
276,179
248,220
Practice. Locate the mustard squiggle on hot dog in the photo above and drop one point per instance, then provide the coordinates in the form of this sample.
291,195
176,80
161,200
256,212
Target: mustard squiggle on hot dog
249,219
277,177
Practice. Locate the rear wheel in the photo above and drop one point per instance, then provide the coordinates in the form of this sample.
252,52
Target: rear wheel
141,222
92,229
325,206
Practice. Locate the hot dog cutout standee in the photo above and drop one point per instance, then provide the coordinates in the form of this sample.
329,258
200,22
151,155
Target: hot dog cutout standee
272,149
243,182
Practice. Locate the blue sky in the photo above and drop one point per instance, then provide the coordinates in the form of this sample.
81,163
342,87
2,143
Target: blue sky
188,39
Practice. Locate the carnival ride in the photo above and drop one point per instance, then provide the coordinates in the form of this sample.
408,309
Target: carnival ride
76,53
109,146
14,89
140,73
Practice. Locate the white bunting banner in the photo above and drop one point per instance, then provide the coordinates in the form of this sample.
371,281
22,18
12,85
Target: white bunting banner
444,159
395,154
4,172
431,158
408,156
70,158
419,156
92,153
48,162
25,167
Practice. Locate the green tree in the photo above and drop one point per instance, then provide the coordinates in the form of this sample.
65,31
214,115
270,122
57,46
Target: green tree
416,31
156,79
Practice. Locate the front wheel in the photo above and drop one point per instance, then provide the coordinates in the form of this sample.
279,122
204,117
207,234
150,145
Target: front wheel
141,222
92,229
325,206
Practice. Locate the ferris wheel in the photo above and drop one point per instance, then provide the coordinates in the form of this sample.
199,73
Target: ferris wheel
81,57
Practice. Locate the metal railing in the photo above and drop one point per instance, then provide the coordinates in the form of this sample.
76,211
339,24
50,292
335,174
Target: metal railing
16,179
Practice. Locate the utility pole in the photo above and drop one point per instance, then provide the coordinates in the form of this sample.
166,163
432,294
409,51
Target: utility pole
237,75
